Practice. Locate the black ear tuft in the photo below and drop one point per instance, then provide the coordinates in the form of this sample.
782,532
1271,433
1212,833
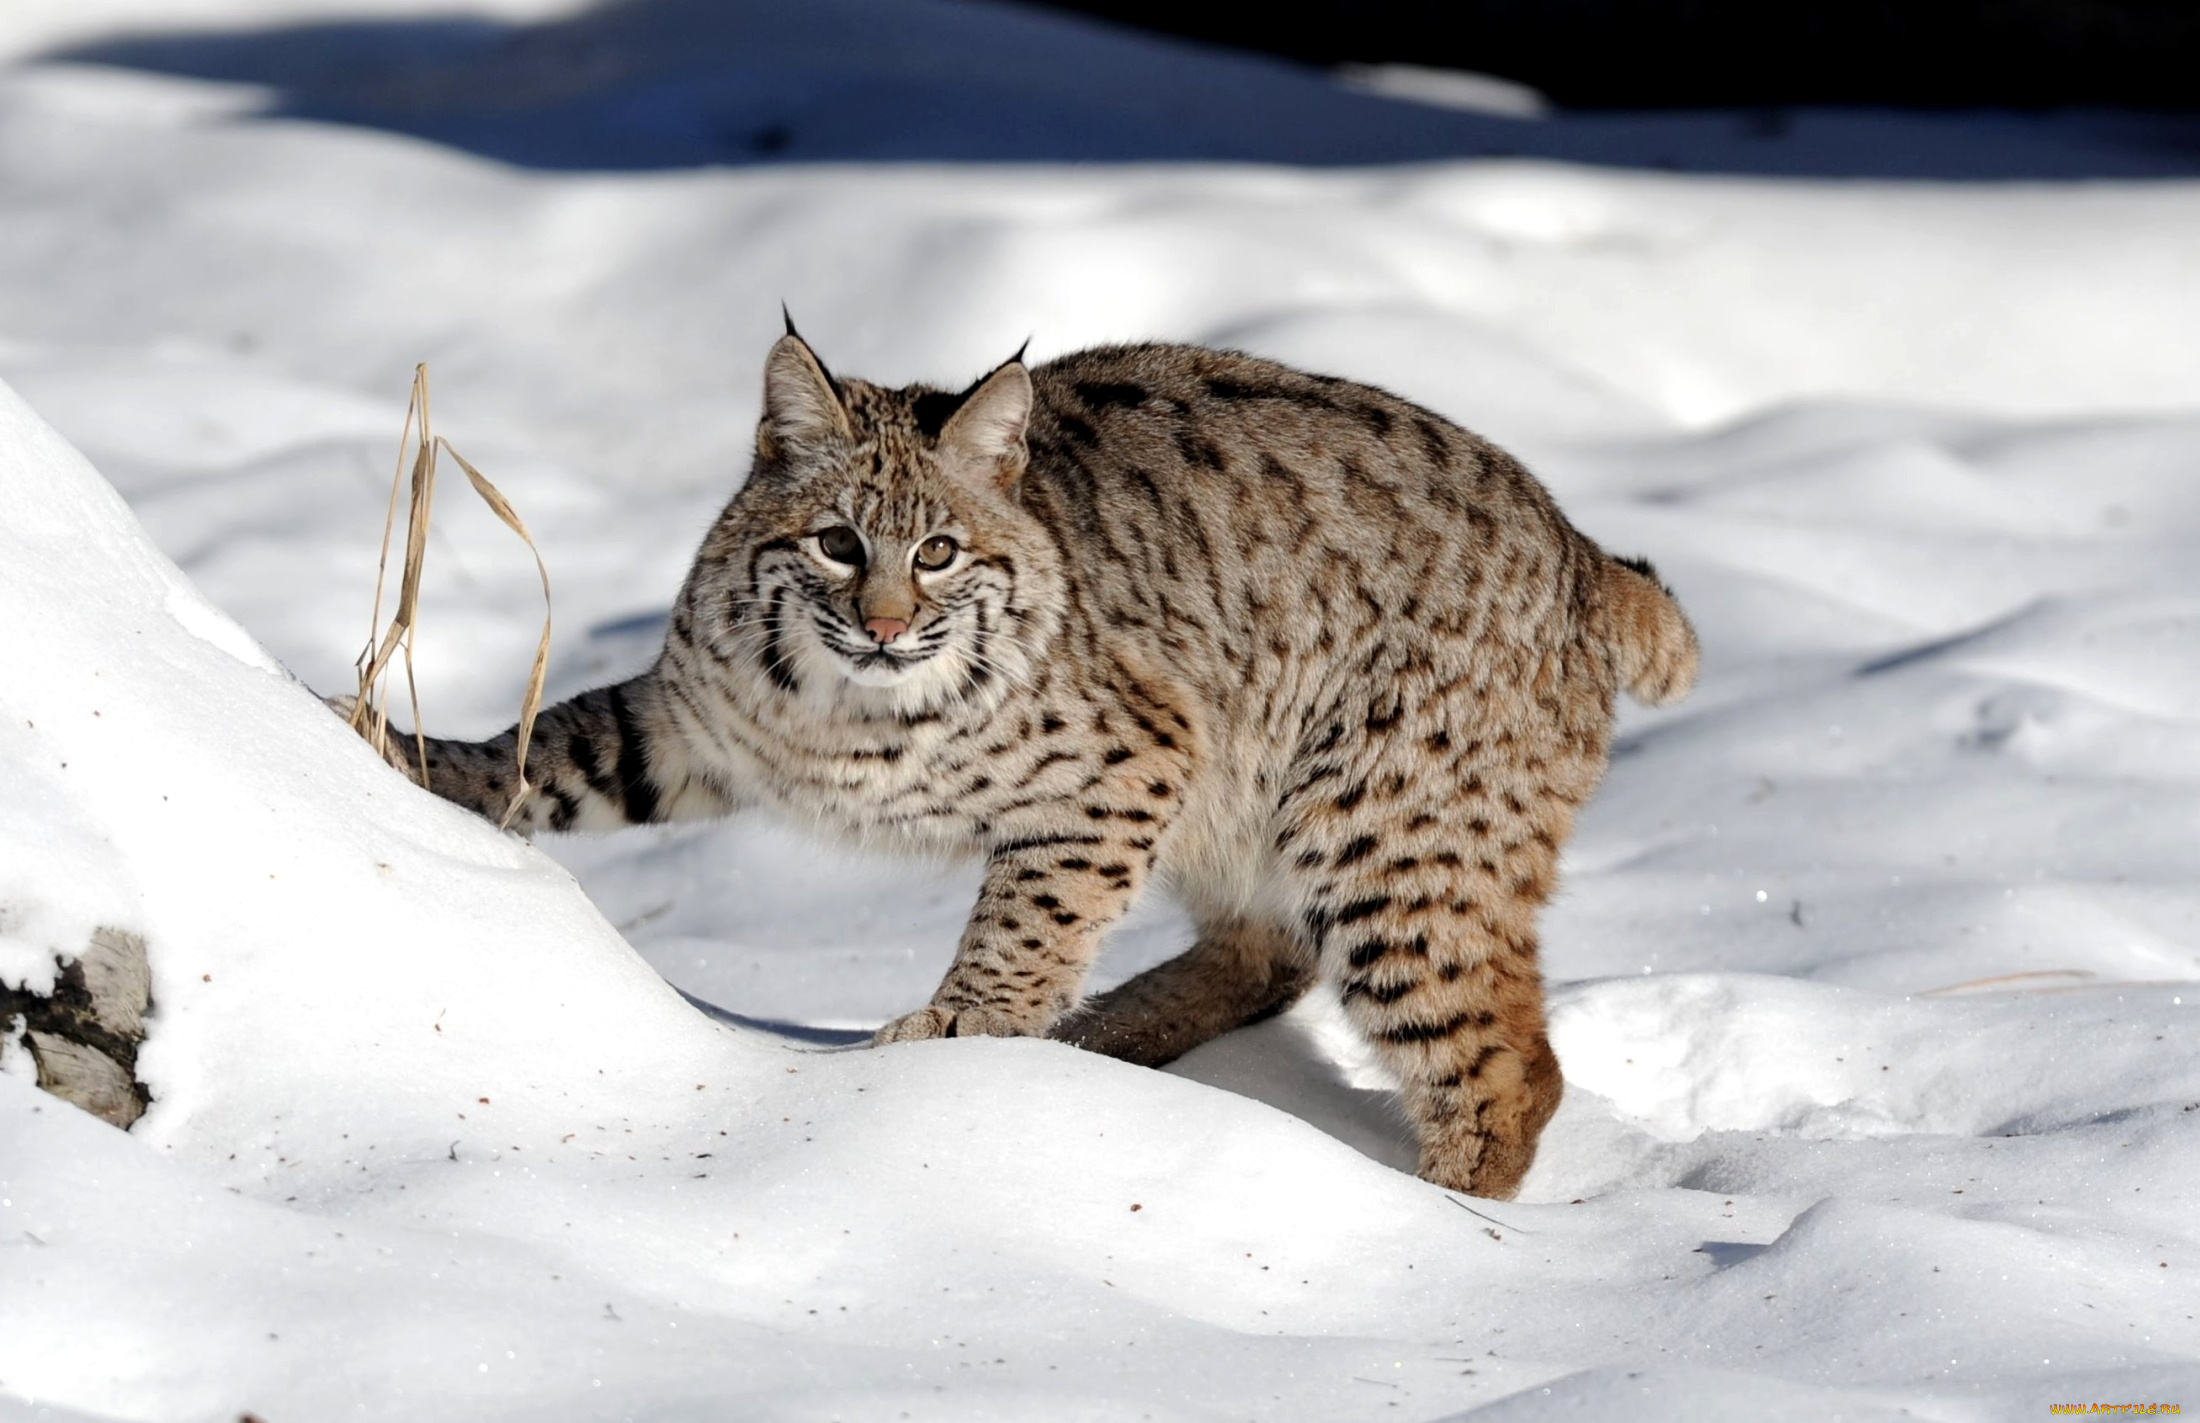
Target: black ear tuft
802,401
830,379
984,438
935,408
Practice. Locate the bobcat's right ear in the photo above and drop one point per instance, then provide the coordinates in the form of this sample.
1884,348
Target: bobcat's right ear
802,408
986,435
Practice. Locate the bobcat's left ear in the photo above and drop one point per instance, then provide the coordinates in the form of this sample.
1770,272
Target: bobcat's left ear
802,408
985,438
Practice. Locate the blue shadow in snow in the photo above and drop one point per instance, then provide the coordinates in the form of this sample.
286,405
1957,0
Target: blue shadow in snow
799,1033
658,84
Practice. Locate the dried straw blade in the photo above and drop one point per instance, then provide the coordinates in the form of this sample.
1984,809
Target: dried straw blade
370,713
368,717
532,702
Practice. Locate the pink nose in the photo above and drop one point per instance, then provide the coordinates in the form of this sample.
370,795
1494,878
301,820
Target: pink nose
885,630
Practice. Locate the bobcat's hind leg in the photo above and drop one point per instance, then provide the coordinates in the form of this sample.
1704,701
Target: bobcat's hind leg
1424,917
1239,972
1476,1072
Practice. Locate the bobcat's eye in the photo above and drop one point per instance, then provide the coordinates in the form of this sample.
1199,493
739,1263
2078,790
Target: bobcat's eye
936,552
842,544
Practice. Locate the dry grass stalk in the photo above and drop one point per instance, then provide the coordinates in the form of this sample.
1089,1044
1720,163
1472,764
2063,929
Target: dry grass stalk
418,446
2030,982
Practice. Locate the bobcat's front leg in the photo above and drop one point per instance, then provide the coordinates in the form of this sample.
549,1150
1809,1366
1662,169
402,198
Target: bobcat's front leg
1050,895
608,757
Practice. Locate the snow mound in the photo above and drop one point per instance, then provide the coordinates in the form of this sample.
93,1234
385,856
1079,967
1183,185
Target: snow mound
1684,1054
1873,971
275,871
374,1008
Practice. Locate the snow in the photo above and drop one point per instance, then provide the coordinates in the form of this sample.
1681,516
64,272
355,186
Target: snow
1876,977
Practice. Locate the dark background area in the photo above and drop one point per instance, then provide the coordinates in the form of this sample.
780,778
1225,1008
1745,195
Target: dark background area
1663,54
1930,90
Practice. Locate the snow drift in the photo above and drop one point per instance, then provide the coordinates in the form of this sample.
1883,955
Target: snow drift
1874,979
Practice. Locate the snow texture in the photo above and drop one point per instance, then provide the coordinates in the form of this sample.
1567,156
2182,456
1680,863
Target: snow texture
1876,976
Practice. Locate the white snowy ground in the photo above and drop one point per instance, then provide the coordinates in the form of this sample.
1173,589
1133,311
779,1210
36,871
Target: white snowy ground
1876,978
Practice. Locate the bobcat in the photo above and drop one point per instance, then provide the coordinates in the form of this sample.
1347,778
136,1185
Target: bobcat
1334,670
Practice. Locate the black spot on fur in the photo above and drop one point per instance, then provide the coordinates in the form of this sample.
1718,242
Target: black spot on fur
580,749
638,793
1385,994
1371,952
1432,440
1425,1032
563,808
1040,842
1198,451
1357,851
1099,395
1052,758
1360,909
774,656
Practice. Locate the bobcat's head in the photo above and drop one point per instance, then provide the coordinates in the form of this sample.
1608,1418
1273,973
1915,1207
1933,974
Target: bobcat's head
878,556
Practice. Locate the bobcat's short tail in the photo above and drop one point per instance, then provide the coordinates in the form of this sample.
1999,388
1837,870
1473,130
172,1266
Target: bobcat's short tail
1652,644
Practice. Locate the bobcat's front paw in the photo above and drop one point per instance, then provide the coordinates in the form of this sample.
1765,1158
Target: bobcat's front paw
938,1022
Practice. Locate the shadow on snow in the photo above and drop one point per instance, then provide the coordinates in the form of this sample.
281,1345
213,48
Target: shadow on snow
658,84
